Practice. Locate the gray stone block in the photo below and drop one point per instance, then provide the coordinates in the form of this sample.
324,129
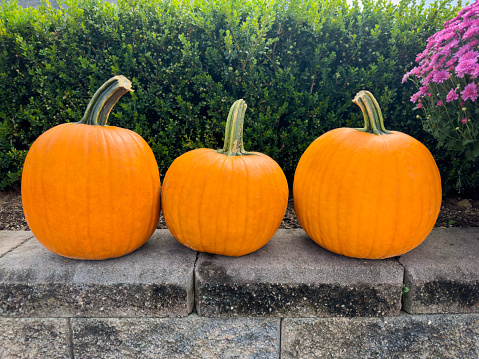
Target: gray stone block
12,239
405,336
35,338
293,276
442,274
190,337
155,280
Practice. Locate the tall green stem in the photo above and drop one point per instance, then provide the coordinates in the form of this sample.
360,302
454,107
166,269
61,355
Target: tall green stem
234,130
104,99
373,116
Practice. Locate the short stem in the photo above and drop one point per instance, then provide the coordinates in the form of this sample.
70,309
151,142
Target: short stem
104,99
373,116
234,130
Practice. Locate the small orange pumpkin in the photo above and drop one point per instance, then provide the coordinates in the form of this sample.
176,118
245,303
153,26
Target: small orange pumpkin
228,202
92,191
367,193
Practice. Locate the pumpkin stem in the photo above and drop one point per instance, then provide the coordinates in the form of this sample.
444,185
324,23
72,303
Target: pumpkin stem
104,99
234,130
373,116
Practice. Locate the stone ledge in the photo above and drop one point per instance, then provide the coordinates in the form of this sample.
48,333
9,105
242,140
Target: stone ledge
9,240
155,280
290,277
442,274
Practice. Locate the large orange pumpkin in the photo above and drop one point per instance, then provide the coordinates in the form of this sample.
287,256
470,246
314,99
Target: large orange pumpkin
228,202
92,191
367,193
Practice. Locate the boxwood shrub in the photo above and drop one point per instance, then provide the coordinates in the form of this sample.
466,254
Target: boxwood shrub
296,63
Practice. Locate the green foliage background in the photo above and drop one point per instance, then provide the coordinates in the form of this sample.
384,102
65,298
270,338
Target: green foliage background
297,64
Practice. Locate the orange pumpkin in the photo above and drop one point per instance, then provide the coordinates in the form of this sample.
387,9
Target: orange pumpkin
91,191
367,193
228,202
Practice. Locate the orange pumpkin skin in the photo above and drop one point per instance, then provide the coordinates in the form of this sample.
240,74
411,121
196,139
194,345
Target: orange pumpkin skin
365,195
228,205
91,192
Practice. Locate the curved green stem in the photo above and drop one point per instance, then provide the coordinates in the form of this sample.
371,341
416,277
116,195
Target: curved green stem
104,99
373,116
234,131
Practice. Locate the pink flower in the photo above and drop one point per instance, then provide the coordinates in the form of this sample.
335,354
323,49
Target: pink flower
466,24
415,71
434,59
423,90
449,53
430,67
463,15
472,31
440,76
466,48
427,80
452,95
421,56
464,120
446,50
470,92
451,62
466,67
470,55
473,43
415,97
444,35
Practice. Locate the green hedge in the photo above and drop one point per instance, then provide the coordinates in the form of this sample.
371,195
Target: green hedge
297,64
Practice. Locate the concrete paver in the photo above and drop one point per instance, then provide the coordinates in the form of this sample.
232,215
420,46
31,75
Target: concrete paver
155,280
442,274
293,276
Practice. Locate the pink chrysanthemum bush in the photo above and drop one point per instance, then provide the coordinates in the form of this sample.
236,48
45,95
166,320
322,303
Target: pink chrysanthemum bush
447,77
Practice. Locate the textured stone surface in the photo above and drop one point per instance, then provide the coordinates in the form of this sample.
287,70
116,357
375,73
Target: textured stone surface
442,274
405,336
465,203
12,239
190,337
34,338
293,276
155,280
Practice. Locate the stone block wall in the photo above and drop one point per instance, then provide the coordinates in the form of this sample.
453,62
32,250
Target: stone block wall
289,299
